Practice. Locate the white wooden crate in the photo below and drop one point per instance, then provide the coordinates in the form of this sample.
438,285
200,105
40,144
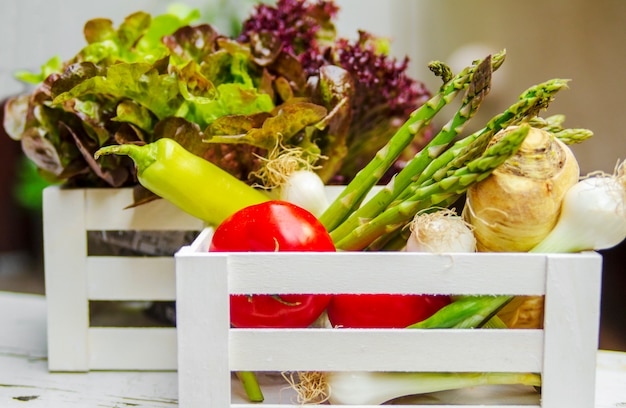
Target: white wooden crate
73,279
564,352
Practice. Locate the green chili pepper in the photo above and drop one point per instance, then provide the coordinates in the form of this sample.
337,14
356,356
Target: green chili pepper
190,182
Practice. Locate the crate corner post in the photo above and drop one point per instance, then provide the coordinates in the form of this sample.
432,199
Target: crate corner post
65,252
571,326
202,310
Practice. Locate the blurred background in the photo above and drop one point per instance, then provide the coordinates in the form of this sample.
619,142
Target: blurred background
575,39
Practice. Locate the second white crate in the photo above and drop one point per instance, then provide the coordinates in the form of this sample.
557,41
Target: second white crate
73,279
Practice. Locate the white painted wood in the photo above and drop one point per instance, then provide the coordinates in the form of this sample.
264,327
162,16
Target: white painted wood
203,347
65,255
570,284
127,348
201,243
130,278
73,279
369,350
571,325
106,209
359,272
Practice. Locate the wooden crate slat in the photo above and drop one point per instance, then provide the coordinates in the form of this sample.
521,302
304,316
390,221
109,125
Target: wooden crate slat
126,348
131,278
390,272
203,346
386,350
106,210
65,250
571,323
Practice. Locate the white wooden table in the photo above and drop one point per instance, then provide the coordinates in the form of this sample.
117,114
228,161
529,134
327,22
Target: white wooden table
26,383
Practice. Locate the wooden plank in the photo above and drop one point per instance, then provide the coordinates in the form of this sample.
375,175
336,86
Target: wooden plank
203,311
65,250
388,272
106,210
386,350
131,278
126,348
571,325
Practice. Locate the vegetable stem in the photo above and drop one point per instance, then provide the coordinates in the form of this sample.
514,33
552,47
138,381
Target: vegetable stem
375,388
465,312
250,385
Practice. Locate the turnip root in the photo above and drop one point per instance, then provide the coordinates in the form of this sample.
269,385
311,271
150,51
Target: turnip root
516,207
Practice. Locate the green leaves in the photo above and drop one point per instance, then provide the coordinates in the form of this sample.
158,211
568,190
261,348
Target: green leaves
158,76
286,121
139,82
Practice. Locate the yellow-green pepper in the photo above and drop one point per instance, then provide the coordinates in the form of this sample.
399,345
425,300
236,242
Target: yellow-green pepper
190,182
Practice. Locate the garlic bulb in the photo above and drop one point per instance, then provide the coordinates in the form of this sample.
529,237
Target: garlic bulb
440,231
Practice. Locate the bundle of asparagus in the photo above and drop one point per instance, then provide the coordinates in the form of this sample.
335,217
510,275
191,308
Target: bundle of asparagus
441,172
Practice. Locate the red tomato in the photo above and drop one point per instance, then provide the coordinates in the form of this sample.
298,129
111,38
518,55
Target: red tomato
268,227
382,310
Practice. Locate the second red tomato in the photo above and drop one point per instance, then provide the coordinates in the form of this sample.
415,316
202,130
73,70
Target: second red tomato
382,310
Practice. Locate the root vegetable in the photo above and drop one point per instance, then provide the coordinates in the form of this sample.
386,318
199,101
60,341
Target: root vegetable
518,205
305,189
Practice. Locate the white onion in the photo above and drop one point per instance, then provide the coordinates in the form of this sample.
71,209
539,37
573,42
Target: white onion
593,217
305,189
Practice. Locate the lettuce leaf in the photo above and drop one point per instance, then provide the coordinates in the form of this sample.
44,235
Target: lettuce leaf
227,99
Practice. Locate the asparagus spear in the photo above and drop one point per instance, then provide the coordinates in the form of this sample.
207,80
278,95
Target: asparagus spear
357,189
528,105
434,192
554,124
478,88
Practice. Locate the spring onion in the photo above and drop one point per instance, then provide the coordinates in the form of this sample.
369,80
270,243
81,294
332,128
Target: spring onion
593,215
